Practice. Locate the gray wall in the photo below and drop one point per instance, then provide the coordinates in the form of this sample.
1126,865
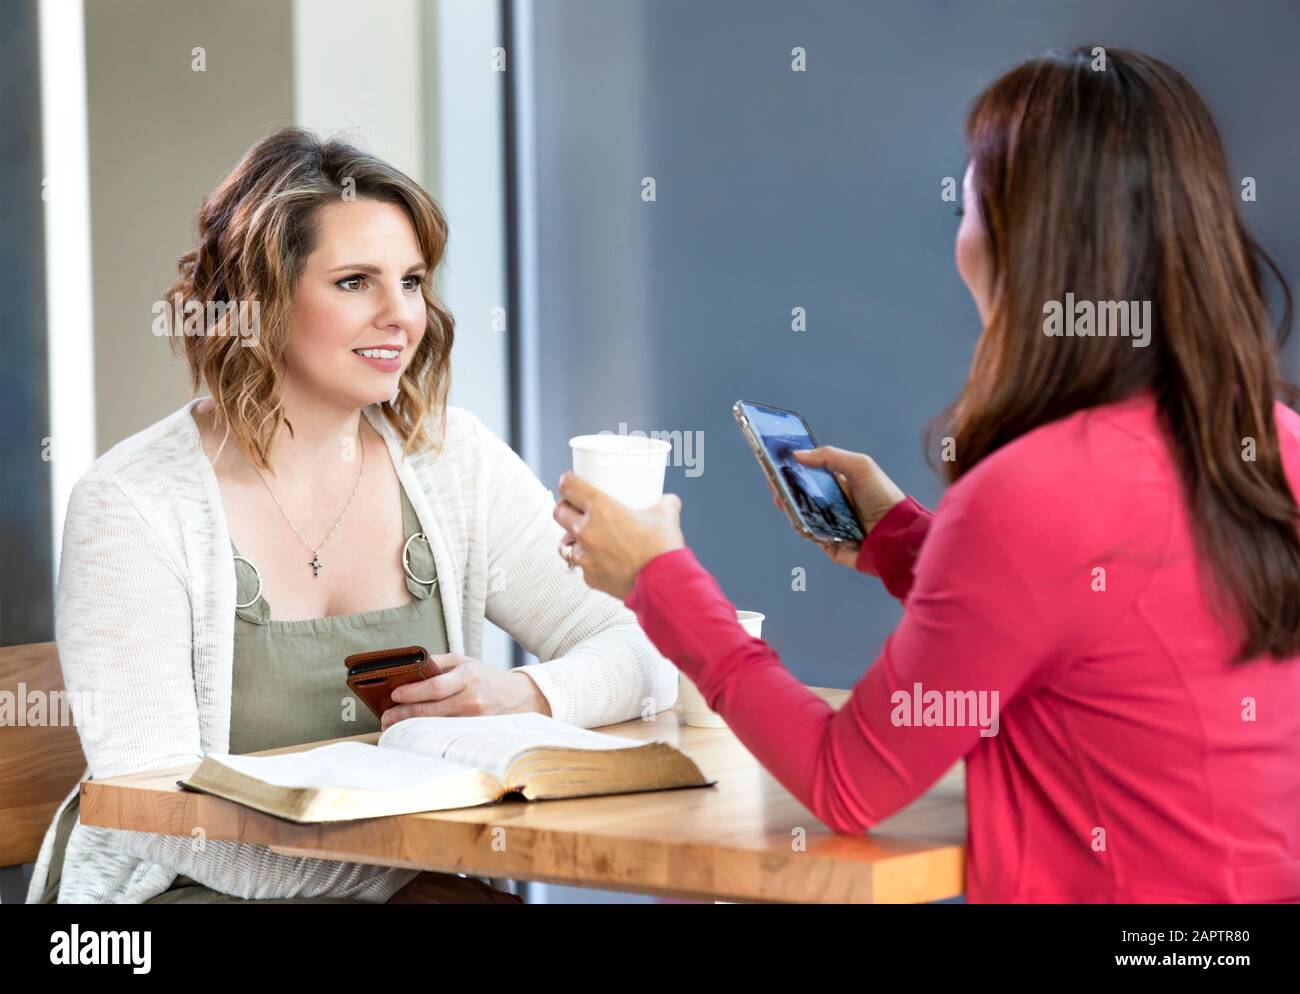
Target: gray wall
26,614
820,189
161,137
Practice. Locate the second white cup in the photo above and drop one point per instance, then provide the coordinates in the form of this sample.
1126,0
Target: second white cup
695,711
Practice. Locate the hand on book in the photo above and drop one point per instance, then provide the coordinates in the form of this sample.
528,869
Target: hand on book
465,687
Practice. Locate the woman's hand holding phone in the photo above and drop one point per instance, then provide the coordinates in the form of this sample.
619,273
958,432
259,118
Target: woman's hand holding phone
465,686
870,491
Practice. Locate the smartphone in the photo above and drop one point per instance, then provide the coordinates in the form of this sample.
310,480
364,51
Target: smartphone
812,497
372,676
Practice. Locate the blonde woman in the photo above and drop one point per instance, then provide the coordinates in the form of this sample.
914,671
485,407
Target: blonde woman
323,500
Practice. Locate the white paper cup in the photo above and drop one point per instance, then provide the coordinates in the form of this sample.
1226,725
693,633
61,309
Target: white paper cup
629,468
689,699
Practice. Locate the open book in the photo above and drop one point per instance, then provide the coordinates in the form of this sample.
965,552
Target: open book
432,764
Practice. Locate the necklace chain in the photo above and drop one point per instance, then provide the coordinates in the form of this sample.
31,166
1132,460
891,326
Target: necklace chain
315,563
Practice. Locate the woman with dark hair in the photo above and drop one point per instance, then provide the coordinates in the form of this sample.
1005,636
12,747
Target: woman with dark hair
1116,564
208,593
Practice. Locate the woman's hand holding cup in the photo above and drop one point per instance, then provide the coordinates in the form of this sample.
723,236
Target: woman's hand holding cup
611,541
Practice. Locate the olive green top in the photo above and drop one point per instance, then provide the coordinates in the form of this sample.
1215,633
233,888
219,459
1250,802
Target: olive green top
289,685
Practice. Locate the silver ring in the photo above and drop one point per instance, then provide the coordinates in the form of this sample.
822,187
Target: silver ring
570,551
257,573
406,559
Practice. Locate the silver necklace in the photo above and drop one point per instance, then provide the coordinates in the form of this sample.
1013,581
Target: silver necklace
315,563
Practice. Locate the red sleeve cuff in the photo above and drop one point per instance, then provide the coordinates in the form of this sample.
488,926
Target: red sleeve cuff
666,564
684,613
891,547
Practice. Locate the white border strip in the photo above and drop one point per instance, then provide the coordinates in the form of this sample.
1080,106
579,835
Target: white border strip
526,321
68,303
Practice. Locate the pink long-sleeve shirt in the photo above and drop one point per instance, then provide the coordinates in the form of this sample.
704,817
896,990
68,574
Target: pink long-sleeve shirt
1129,760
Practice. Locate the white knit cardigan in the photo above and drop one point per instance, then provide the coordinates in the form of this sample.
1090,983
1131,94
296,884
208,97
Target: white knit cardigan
144,621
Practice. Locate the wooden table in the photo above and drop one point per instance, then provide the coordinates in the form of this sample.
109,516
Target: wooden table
736,841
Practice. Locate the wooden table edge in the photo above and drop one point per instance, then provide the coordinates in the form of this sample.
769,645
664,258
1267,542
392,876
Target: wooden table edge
583,859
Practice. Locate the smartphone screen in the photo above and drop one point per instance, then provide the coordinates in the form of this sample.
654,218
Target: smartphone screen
815,492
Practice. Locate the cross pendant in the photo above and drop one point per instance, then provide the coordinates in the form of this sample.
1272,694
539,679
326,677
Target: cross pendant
315,564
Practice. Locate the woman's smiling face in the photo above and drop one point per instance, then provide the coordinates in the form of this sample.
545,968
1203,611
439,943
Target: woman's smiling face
359,289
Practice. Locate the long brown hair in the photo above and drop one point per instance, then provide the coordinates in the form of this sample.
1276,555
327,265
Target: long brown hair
1111,183
255,232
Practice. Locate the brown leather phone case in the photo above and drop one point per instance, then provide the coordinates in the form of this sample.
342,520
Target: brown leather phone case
373,675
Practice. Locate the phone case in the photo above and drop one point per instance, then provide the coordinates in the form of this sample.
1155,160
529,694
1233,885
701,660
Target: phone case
373,675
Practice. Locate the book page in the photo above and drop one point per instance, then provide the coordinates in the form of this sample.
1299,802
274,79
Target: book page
491,742
355,765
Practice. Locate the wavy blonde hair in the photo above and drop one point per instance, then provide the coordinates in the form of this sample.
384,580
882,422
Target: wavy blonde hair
255,232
